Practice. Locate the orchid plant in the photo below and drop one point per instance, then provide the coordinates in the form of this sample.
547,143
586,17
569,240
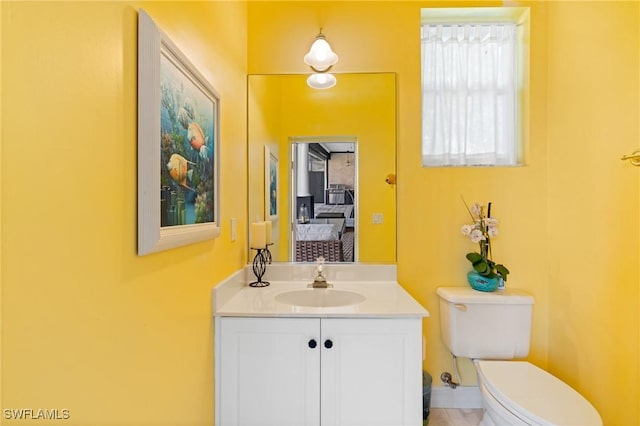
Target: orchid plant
483,228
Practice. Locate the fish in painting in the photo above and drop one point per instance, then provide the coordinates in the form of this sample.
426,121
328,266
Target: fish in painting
183,118
178,169
204,153
188,107
196,136
185,113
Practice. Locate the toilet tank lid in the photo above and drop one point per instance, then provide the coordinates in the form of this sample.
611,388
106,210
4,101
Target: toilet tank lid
508,296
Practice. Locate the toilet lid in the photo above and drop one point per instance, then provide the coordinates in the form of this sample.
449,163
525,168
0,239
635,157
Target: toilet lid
532,393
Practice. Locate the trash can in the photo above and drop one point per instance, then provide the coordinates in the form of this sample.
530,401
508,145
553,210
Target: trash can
426,397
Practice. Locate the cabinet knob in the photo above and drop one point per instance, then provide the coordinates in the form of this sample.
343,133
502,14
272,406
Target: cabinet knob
313,343
328,344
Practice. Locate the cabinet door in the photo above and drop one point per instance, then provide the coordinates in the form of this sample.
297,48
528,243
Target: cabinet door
270,372
371,372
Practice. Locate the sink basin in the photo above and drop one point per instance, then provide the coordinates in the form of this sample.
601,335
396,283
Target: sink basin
320,298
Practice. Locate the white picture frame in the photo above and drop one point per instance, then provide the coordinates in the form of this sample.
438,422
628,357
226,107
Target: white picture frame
178,164
271,185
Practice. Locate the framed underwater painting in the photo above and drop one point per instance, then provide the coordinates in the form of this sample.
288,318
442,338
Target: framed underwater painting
178,146
270,185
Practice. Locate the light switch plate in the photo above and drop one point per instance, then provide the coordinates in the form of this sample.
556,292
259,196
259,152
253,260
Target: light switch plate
233,229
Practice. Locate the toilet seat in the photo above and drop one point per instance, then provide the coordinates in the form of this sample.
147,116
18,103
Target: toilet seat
533,395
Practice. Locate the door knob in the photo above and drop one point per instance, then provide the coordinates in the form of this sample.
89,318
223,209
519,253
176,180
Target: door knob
328,344
313,343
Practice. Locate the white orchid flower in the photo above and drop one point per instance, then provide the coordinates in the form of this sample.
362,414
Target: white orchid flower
466,229
477,236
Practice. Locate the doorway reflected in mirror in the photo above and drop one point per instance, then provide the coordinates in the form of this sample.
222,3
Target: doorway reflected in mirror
324,199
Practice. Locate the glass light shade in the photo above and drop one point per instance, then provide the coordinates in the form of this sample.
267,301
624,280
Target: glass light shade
321,81
320,56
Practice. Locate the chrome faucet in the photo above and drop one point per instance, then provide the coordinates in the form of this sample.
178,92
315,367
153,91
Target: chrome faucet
320,281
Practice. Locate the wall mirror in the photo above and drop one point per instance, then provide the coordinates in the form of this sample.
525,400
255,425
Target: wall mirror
332,151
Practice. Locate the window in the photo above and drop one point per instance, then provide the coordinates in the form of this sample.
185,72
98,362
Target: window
472,94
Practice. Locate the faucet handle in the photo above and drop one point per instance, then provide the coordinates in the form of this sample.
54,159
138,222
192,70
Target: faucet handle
320,281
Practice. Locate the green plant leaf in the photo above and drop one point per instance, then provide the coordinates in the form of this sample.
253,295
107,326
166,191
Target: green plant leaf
482,267
474,257
503,271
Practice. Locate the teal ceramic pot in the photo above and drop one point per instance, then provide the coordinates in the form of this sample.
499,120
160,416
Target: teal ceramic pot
482,283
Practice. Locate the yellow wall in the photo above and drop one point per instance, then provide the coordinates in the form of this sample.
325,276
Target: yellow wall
87,325
592,203
569,218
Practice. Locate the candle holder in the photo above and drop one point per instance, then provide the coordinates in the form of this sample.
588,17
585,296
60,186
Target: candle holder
267,253
260,267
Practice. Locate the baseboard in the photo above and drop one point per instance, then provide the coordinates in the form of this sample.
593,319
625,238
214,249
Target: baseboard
460,397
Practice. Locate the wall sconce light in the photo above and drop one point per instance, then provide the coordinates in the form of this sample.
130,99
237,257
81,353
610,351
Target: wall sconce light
321,58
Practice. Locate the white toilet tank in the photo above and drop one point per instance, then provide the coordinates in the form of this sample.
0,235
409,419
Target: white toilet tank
485,325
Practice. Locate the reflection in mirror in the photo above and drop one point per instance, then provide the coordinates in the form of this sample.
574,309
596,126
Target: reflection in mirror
359,110
324,194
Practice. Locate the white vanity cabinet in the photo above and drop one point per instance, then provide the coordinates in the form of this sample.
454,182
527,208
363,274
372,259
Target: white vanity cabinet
267,373
275,371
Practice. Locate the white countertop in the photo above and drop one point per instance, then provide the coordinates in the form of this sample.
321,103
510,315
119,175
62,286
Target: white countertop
382,299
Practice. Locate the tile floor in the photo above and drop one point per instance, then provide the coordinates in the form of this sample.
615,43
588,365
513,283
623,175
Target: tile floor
455,417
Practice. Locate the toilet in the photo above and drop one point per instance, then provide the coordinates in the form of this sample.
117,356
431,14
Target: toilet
493,329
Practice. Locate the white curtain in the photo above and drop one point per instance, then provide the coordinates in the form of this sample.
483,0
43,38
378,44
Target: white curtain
469,95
